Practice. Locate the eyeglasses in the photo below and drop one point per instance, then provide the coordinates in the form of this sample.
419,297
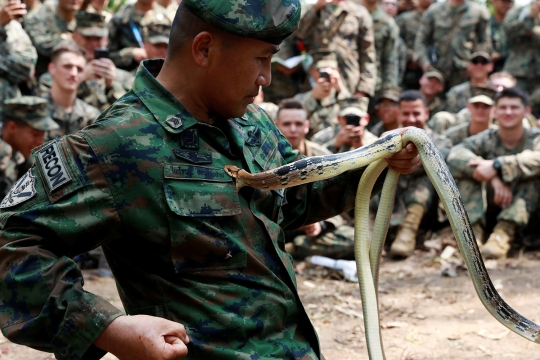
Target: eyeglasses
482,61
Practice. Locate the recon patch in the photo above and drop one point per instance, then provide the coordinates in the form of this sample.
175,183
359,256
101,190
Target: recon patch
23,190
53,166
194,157
174,122
189,139
254,137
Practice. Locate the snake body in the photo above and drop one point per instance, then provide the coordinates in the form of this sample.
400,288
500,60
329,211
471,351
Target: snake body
368,251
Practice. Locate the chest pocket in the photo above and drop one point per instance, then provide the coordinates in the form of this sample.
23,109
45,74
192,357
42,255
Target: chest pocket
203,202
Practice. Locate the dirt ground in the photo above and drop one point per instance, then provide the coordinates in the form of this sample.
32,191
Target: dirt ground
424,315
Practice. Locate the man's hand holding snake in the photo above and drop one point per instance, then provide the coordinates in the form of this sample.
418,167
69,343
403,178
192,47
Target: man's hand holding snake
406,160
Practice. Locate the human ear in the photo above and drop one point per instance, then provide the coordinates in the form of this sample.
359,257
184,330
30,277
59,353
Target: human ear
201,48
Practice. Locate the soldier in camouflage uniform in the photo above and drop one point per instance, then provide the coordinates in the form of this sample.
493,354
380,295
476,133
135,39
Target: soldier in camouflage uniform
480,108
17,55
51,25
67,72
386,110
409,23
103,83
498,35
346,29
432,87
197,261
24,123
126,31
521,27
448,35
98,7
386,34
506,162
478,69
390,8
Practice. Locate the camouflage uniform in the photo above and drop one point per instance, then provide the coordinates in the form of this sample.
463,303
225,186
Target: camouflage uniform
81,116
523,60
457,134
499,43
520,168
387,49
17,60
46,30
471,34
326,138
436,105
353,42
126,32
107,15
458,96
409,23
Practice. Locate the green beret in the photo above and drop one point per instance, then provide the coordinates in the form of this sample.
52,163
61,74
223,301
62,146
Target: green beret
266,20
31,110
90,24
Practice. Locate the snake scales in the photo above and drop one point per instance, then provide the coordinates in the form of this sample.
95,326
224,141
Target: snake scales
367,251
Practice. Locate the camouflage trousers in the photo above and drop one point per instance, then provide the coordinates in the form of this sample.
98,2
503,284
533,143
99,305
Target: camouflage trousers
337,244
477,197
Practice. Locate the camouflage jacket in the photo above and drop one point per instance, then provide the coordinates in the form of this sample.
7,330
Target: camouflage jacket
409,23
125,30
436,105
93,91
472,34
17,60
323,113
353,43
460,132
498,38
520,163
387,49
458,97
326,138
523,43
146,182
46,30
9,162
314,149
81,116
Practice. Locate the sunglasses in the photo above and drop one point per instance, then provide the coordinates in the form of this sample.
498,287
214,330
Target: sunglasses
482,61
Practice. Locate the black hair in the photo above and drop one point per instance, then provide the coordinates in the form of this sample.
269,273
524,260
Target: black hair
412,95
66,47
514,92
290,104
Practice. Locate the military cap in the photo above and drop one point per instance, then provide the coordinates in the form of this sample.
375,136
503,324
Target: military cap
90,24
269,20
391,94
481,99
482,90
155,33
482,54
436,74
31,110
357,106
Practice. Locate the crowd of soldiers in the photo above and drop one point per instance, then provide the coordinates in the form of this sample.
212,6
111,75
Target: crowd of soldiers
368,66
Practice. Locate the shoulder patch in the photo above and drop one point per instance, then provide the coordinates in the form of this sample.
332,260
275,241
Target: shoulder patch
53,167
23,190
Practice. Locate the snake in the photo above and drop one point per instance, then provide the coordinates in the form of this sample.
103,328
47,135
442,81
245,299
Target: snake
367,246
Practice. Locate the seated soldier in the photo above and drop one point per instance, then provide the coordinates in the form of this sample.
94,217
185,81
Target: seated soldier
351,132
67,72
432,87
332,237
506,161
387,110
24,123
415,193
323,101
480,108
478,69
103,83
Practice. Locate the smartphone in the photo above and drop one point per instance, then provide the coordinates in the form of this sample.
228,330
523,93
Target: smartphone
324,74
352,120
101,53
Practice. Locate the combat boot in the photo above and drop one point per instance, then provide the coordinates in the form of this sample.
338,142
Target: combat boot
499,241
405,241
478,231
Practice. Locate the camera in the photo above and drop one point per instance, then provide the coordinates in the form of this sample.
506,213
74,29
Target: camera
352,120
101,53
324,74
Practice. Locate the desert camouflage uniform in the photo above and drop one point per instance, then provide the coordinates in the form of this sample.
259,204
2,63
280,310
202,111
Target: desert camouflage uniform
499,43
81,116
520,169
323,113
93,91
148,178
523,60
472,34
353,43
387,50
17,60
46,30
122,36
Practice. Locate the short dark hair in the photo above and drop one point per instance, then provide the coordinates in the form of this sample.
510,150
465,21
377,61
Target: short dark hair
65,47
514,92
290,104
412,95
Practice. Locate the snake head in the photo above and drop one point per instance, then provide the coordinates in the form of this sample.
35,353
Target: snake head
232,171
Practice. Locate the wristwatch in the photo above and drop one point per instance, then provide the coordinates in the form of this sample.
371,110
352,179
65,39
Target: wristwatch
497,166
